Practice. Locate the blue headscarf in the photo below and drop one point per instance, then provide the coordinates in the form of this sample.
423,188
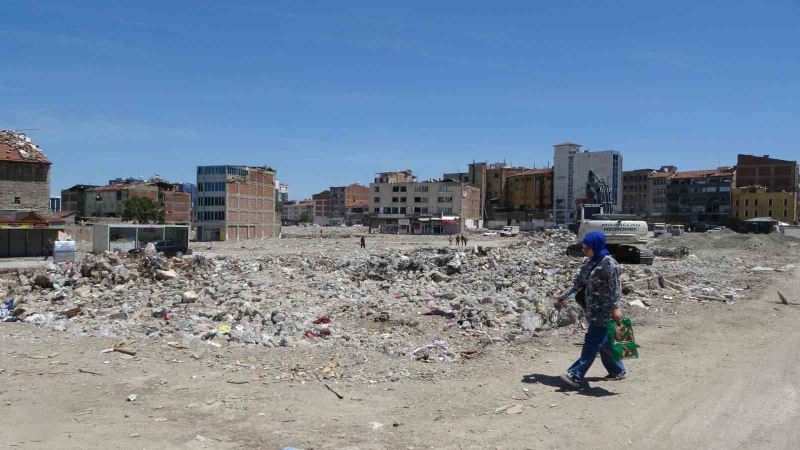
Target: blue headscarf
596,240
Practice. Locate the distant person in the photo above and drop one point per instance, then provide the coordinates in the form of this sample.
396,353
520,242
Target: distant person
48,250
450,239
599,280
464,240
363,242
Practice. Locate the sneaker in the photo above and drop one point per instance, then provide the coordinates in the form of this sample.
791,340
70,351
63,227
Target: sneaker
619,376
571,380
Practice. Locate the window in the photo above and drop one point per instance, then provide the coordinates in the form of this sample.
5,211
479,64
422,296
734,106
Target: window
755,203
421,189
786,202
747,202
402,188
377,210
403,199
747,213
403,210
769,203
445,188
737,203
755,213
377,199
387,210
377,188
17,200
395,188
395,199
394,210
769,213
445,199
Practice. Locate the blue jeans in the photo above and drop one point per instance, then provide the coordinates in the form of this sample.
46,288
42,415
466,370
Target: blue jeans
596,341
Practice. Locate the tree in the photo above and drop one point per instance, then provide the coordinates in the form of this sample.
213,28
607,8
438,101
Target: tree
305,217
142,210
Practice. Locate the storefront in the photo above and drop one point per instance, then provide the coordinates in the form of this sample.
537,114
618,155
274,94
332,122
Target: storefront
126,237
27,233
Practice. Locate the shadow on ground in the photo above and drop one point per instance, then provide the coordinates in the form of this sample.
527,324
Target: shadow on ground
555,381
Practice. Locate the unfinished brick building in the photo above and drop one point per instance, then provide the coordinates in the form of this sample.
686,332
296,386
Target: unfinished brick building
236,203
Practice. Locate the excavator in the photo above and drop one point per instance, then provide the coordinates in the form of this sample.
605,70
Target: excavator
626,235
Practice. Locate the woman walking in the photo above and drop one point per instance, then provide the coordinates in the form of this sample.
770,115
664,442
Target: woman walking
599,281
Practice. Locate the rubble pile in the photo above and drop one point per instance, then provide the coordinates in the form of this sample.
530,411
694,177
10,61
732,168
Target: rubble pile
428,305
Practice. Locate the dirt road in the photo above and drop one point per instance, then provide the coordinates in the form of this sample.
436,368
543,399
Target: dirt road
724,377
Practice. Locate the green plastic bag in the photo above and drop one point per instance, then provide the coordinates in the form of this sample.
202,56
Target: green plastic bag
620,336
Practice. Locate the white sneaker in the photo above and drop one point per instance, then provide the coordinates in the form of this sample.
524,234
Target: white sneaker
571,380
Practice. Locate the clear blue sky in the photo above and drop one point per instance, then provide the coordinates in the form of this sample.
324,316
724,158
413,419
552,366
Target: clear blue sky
330,92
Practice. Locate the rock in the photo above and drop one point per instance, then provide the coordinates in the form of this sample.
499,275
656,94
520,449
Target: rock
277,317
286,341
119,315
164,275
530,321
438,277
637,303
189,297
569,315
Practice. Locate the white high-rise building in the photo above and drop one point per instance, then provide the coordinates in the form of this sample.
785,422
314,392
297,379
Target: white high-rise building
572,175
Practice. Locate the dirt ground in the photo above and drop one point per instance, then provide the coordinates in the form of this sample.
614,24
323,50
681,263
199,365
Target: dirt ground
724,376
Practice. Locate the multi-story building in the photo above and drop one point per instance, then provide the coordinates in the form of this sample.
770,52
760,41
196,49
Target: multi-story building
294,211
576,172
530,194
236,203
24,173
283,192
756,201
700,197
657,192
26,224
109,201
458,176
348,204
776,175
492,180
322,208
74,198
427,207
635,188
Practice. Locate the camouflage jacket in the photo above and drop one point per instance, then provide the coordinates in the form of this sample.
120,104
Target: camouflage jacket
603,289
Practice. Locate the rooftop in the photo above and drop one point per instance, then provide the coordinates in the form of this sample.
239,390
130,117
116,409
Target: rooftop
533,172
15,146
702,173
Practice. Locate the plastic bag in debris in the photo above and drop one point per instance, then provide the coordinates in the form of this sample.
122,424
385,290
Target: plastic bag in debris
621,339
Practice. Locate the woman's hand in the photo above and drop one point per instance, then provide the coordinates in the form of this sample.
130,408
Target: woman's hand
616,314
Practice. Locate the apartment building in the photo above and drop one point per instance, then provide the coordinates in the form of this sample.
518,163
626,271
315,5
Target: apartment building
492,179
700,197
236,203
757,201
296,210
635,189
348,204
109,201
657,192
24,173
577,172
530,194
322,208
426,207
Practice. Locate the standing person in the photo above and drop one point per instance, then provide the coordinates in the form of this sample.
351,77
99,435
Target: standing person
48,250
450,240
599,278
464,240
363,242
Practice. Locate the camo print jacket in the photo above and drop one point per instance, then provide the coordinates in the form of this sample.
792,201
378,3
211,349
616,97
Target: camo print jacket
603,289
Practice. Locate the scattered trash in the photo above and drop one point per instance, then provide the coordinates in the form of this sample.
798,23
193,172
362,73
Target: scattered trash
132,398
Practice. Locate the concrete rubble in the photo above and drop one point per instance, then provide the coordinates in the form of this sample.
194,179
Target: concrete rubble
434,305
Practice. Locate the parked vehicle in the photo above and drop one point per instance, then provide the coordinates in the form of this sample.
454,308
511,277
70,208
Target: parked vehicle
168,248
489,234
659,229
509,231
717,229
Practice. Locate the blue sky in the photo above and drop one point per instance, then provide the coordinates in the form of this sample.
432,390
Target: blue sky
329,93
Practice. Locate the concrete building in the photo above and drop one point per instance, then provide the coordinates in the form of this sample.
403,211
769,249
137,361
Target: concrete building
294,211
575,170
463,177
700,198
757,201
283,192
635,188
109,201
427,207
776,175
74,198
492,180
24,173
236,203
530,194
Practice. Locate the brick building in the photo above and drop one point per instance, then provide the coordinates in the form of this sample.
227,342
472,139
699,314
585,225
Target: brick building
657,192
775,175
530,194
24,173
236,203
109,201
322,208
635,187
348,204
